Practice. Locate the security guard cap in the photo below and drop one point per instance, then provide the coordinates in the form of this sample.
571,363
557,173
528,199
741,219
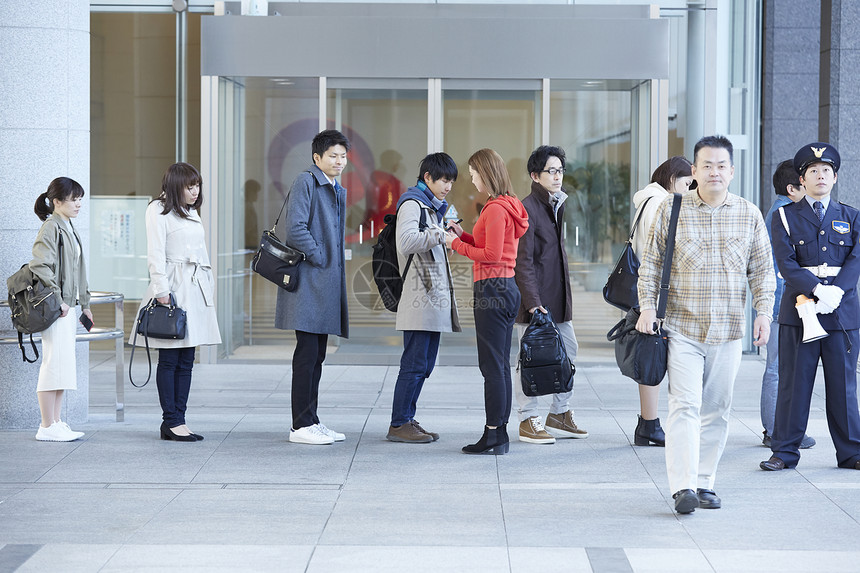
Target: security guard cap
817,152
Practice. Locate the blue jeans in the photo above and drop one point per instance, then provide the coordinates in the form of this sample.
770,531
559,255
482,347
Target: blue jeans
416,364
770,380
173,379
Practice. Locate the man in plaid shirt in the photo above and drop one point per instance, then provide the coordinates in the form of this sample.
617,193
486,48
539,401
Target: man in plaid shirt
721,245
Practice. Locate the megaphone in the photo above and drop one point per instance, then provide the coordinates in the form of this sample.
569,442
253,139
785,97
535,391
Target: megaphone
812,329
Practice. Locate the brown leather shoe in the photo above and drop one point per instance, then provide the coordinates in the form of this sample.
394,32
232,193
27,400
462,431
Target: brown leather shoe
433,435
408,433
774,464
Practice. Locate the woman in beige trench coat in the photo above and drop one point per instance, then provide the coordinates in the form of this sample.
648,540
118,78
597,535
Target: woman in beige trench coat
179,265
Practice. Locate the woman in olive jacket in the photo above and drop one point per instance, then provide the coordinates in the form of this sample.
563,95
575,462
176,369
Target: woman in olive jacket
67,278
179,265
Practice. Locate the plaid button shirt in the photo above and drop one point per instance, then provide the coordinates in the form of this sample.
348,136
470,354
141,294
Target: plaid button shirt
718,250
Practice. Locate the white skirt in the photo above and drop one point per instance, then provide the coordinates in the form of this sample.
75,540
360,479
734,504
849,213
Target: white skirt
59,370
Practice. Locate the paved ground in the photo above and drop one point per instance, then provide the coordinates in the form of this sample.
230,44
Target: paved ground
247,500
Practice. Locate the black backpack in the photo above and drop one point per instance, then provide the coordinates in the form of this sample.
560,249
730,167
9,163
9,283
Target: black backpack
386,269
544,365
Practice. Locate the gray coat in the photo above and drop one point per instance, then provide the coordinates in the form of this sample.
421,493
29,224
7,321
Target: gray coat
315,224
426,302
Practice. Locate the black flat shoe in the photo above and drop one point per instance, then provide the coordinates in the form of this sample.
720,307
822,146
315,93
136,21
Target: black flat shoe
494,441
197,437
686,501
167,434
708,499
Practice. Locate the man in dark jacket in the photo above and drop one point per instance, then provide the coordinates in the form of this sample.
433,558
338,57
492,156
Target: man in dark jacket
316,211
542,277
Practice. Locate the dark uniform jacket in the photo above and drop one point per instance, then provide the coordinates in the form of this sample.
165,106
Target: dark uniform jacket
834,241
541,272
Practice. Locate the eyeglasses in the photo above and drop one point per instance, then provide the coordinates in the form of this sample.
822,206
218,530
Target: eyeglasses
554,171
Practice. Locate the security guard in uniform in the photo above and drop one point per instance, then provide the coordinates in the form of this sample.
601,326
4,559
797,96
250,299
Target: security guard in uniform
817,249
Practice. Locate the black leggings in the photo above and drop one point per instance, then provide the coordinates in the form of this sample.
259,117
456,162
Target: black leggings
497,301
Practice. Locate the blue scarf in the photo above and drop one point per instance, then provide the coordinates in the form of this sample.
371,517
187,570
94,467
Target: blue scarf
423,195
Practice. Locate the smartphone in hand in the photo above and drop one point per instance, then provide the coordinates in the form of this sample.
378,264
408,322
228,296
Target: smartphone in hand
85,320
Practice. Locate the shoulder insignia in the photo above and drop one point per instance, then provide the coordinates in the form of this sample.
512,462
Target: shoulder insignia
841,227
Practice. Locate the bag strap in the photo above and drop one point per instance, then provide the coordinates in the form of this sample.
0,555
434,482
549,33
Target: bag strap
134,345
60,261
24,350
638,216
284,206
422,224
667,258
784,221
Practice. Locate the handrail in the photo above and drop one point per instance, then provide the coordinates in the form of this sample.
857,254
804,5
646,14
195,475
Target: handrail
97,333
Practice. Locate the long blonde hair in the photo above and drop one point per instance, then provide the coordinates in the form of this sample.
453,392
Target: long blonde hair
493,172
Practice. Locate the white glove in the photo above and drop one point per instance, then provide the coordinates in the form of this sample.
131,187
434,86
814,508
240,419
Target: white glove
823,308
829,296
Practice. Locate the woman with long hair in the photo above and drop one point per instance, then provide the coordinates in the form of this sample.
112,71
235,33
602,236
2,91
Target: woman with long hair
58,262
672,176
179,265
493,248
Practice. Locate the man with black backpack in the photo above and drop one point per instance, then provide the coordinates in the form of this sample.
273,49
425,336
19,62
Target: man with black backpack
542,277
426,307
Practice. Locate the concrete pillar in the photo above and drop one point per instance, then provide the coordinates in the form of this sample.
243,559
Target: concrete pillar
44,133
840,91
790,62
695,88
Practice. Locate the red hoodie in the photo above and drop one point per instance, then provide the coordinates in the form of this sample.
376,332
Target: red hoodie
493,244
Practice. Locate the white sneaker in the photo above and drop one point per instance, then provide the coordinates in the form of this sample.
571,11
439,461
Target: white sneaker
70,431
54,433
336,436
310,435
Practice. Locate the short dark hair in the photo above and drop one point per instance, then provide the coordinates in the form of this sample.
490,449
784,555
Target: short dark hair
715,141
438,166
61,189
327,139
668,172
784,176
178,178
539,157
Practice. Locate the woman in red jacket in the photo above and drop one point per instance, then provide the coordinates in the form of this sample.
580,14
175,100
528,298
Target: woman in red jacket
493,248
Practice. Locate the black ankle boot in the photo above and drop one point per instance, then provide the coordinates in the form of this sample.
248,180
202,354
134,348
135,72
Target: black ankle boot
649,432
494,441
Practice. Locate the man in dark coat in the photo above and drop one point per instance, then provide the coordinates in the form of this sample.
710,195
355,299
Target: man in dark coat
316,211
542,277
817,249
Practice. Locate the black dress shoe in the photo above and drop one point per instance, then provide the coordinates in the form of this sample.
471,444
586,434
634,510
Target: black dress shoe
197,437
774,464
708,499
686,501
167,434
649,432
857,465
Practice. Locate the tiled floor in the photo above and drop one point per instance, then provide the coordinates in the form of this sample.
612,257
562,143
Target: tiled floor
245,499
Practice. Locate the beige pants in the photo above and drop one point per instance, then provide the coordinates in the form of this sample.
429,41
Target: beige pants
59,366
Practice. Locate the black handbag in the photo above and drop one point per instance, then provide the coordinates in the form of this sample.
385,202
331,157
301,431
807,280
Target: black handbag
278,262
620,289
643,357
156,320
544,365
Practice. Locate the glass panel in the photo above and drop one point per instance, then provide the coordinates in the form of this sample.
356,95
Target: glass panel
507,121
595,126
265,129
388,132
133,131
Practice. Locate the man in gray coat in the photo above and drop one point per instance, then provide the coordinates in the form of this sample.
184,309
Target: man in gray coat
316,209
542,278
427,306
